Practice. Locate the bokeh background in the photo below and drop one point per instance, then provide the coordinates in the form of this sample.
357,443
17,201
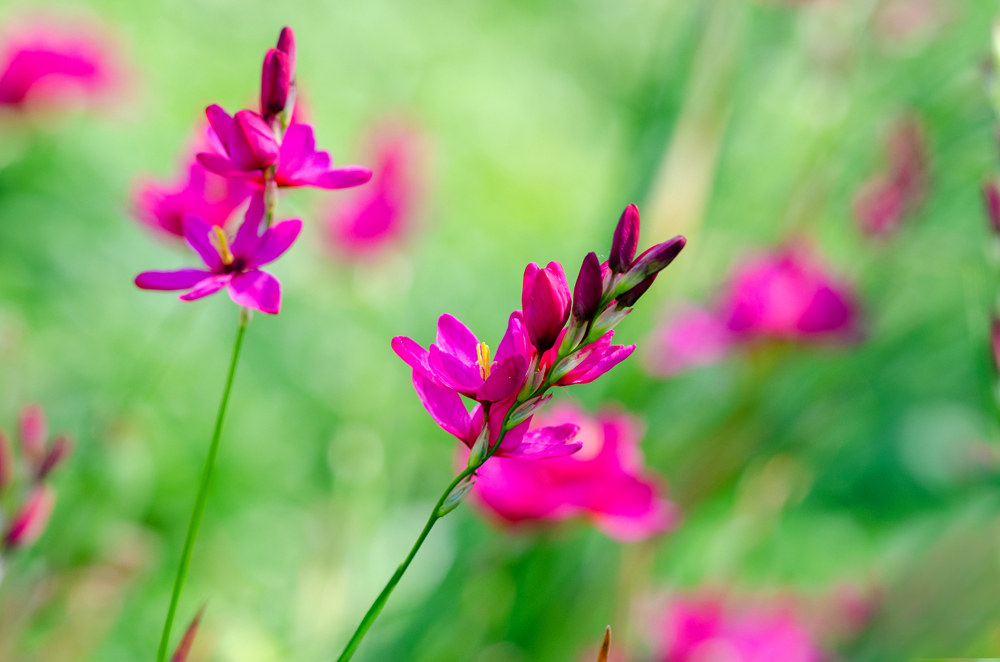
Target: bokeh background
857,480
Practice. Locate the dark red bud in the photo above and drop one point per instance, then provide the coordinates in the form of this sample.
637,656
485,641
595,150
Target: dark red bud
184,648
275,82
658,257
6,461
995,341
625,241
30,521
991,196
61,448
629,298
33,433
545,303
286,44
588,289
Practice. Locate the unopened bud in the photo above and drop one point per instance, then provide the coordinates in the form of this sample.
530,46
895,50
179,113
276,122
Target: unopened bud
457,496
527,410
60,450
184,648
991,198
608,320
628,299
30,521
479,449
6,461
588,289
275,83
286,44
652,261
625,241
33,433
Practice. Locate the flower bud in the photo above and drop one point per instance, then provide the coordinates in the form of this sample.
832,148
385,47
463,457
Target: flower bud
30,521
588,289
457,496
275,83
286,44
628,299
545,302
479,449
249,141
995,341
625,241
652,261
527,410
991,196
61,448
33,433
6,461
602,656
183,648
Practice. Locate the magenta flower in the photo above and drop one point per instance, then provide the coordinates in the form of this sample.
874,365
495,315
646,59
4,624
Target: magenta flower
883,202
703,628
991,200
28,523
202,193
605,482
545,303
690,338
246,146
378,215
52,65
235,265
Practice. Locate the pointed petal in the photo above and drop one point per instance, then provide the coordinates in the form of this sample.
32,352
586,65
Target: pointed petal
210,285
456,339
527,281
258,290
444,405
548,442
504,381
297,146
184,648
180,279
248,236
276,240
220,121
453,373
197,232
515,341
346,177
220,165
615,355
413,354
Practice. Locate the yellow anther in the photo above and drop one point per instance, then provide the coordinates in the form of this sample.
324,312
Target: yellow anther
483,354
221,243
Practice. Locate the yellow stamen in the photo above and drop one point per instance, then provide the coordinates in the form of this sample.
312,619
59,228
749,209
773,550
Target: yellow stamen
221,243
483,353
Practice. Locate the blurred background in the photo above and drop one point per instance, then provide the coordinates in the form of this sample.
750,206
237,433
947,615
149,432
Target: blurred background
832,453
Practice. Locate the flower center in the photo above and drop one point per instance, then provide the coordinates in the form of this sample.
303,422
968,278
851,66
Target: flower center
221,243
483,354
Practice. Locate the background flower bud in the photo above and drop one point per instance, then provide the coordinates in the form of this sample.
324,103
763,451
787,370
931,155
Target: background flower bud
286,44
588,289
991,197
995,341
184,648
545,302
625,241
6,461
60,450
652,261
30,521
33,432
275,81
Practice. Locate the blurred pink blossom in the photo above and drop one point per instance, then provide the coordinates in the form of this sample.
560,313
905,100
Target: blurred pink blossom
882,202
380,214
46,64
605,481
785,295
202,193
699,629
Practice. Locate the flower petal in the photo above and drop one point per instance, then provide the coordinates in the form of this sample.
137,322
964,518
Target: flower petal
456,339
515,341
220,121
504,381
258,290
276,240
248,236
181,279
613,357
547,442
660,516
297,146
197,232
445,407
453,373
208,286
220,165
413,354
346,177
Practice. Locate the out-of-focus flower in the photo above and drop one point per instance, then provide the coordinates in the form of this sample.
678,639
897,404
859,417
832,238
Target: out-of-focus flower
247,141
786,295
33,435
698,629
995,341
50,66
886,199
605,481
187,641
234,265
205,194
991,200
30,521
6,461
378,215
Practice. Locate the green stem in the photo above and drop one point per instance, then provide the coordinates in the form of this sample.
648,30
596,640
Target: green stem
202,496
380,601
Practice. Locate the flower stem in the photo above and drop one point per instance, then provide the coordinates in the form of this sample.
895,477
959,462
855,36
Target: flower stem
380,601
202,496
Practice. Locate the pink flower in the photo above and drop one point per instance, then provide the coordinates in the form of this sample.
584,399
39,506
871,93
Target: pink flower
991,200
53,66
883,202
42,456
28,524
545,303
245,145
378,215
692,337
235,265
698,629
604,481
209,196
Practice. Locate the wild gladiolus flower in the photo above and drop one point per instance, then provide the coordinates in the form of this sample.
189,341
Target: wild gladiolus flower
205,194
378,215
604,482
883,202
698,629
233,265
29,523
53,65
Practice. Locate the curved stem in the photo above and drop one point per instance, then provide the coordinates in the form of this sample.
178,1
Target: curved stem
202,496
380,601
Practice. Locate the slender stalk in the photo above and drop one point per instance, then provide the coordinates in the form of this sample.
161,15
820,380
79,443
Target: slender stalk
202,496
380,601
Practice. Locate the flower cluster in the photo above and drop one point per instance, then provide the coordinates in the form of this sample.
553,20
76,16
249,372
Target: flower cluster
555,339
246,156
604,481
786,295
38,458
